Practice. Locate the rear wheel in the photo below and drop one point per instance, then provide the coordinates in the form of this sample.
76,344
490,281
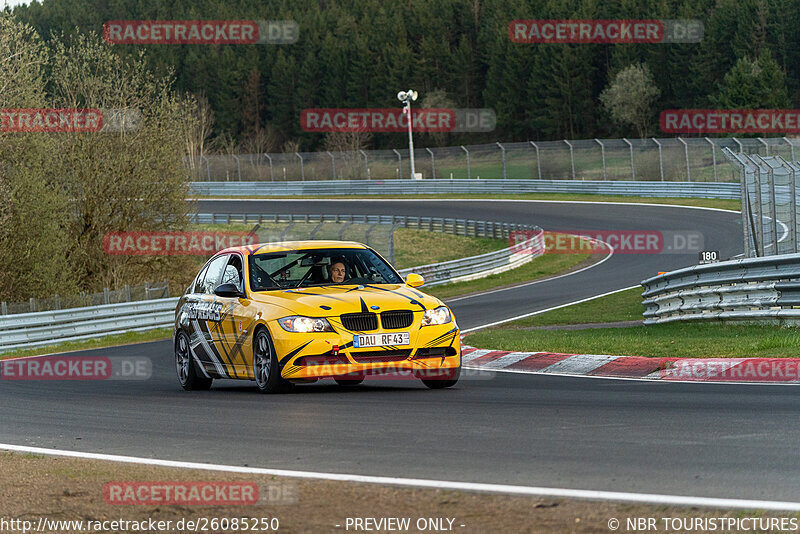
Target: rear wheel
188,376
445,379
266,368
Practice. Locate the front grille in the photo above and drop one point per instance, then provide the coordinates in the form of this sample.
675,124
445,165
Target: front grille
381,356
397,319
321,359
360,322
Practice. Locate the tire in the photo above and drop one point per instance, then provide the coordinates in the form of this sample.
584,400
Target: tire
447,379
266,367
347,382
189,377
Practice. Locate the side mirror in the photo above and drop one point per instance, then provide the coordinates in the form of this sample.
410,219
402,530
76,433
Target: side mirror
414,280
228,291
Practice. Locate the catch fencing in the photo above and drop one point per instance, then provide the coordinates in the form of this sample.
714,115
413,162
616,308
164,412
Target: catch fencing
653,159
769,186
127,293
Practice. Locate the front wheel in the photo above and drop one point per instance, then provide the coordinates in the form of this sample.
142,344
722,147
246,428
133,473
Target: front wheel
266,368
188,377
445,379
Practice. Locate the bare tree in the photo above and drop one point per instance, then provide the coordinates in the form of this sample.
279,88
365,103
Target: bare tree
345,147
437,99
198,131
129,180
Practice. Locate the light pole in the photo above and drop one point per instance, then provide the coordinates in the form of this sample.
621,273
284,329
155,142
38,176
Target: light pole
406,97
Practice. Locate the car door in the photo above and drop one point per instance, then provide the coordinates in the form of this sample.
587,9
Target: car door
205,322
236,323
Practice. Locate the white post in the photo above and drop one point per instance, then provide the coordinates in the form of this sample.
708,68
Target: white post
791,146
602,155
633,168
333,163
433,163
469,173
686,151
269,158
538,161
660,158
741,147
399,163
571,157
366,163
764,143
406,97
411,142
503,150
713,156
302,168
238,166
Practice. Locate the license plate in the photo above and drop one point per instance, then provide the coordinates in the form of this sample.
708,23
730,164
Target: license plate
379,340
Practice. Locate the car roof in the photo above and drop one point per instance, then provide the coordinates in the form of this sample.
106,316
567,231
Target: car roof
283,246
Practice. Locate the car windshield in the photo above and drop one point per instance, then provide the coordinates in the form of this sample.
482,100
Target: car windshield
318,267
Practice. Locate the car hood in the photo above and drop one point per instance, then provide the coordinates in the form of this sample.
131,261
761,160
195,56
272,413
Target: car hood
326,301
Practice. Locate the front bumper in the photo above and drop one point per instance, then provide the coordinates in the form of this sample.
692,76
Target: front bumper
432,351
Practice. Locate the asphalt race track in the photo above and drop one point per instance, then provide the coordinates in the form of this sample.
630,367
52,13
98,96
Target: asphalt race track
710,440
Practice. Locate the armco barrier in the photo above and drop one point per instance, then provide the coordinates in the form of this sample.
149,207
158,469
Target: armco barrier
465,227
30,330
751,289
729,191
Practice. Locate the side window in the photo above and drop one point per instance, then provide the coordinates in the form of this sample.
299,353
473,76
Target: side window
197,285
214,274
233,272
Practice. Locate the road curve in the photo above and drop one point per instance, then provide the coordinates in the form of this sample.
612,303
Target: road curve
708,440
721,231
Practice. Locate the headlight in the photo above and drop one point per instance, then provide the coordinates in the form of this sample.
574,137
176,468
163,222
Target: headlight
440,315
297,323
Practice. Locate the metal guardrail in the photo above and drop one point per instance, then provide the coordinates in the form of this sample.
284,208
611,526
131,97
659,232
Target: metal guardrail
464,227
730,191
754,289
30,330
481,266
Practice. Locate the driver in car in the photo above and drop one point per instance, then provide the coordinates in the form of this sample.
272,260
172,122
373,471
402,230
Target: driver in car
338,272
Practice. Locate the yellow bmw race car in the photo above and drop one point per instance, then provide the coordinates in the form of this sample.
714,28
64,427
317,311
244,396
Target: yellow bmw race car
295,312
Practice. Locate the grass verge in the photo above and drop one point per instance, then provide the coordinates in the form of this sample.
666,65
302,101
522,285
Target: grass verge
539,268
32,485
734,205
128,338
673,340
